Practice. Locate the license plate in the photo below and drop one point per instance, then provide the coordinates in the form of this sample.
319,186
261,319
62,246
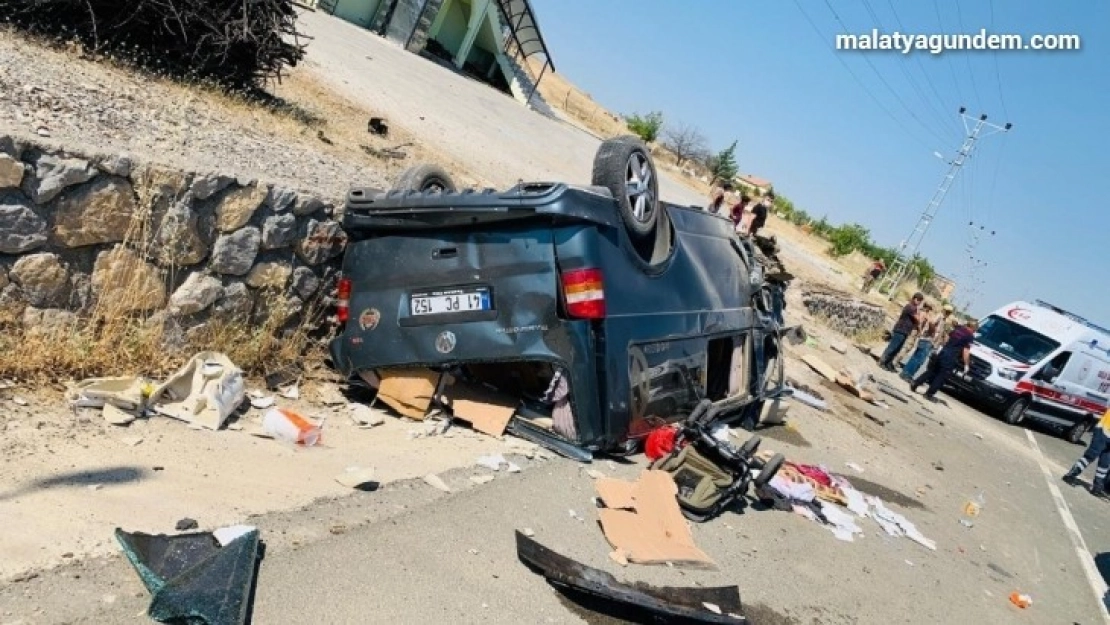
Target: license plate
450,301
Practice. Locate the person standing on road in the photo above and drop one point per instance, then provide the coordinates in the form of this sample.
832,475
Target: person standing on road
759,213
956,351
1099,450
906,323
717,198
932,327
737,212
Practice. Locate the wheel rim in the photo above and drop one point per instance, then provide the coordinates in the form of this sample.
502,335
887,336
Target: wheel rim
1017,412
640,194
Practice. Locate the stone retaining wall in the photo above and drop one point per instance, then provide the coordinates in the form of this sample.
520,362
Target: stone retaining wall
844,313
77,230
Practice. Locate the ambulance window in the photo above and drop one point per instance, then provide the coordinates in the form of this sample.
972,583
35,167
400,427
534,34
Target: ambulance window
1053,368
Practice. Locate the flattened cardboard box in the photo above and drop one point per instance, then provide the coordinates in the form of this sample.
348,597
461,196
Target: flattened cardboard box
642,520
409,391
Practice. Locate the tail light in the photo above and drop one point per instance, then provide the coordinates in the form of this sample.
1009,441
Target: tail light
584,293
343,299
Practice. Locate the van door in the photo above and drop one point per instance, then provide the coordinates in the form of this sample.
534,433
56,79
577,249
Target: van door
1081,383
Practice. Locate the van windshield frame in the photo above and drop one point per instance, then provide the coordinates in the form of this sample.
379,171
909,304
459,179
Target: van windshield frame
1014,340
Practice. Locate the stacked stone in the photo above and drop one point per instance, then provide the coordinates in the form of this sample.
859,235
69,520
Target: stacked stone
844,313
76,231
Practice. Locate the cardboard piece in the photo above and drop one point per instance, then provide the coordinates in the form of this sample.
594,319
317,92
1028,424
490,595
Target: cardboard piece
846,383
820,366
409,391
643,521
486,410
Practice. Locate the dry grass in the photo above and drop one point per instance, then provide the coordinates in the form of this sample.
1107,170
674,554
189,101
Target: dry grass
116,338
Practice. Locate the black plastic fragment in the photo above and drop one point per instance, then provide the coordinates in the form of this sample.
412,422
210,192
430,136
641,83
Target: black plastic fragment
638,602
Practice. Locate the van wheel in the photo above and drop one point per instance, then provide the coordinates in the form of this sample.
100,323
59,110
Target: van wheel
1015,412
625,167
1076,432
425,178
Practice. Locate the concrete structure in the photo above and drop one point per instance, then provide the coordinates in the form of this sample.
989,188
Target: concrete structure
489,40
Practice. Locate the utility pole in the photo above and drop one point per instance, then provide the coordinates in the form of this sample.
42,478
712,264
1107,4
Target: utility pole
907,249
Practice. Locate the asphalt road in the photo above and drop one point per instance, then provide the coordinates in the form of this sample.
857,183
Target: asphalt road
409,553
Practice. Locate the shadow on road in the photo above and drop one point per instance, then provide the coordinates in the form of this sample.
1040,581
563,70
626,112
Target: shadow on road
105,476
1102,562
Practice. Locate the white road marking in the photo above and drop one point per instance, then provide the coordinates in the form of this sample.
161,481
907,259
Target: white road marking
1098,585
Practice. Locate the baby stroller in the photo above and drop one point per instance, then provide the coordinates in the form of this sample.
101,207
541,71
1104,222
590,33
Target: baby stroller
712,474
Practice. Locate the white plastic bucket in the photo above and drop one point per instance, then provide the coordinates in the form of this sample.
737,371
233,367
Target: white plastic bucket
288,426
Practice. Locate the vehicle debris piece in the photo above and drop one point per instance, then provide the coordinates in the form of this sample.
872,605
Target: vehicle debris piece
116,416
807,399
186,524
638,602
643,519
409,391
192,578
853,387
204,392
485,410
262,403
377,126
365,416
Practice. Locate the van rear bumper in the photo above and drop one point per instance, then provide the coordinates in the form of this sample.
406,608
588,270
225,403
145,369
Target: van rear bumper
982,390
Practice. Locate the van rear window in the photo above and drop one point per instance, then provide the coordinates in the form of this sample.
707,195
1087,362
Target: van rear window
1014,340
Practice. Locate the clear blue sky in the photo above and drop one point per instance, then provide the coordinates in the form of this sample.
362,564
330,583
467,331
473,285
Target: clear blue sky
757,72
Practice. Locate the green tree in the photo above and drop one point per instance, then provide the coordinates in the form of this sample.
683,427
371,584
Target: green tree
848,238
724,166
923,269
646,127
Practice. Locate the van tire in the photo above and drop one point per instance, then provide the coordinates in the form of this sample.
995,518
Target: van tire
625,167
425,178
1075,433
1015,412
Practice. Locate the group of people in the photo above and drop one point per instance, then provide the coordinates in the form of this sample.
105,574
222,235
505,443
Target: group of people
931,330
748,216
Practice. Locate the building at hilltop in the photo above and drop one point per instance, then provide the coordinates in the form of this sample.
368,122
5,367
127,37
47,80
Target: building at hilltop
753,184
495,41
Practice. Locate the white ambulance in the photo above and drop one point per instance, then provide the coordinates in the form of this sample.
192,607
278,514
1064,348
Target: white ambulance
1037,361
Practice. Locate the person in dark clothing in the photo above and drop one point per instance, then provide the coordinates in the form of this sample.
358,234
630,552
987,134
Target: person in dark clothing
907,321
956,352
759,213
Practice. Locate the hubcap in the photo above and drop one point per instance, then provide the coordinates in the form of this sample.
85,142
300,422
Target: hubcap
641,197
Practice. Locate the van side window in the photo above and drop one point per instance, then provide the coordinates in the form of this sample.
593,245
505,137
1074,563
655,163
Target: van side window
1050,371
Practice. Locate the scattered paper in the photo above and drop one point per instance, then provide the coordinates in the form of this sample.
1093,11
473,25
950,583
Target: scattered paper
291,392
492,462
262,403
354,477
225,535
855,467
435,481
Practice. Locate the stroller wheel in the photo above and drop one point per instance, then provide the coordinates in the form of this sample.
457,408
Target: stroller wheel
770,468
747,450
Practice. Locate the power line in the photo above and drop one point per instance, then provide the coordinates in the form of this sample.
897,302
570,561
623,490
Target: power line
880,76
967,57
905,72
951,66
997,74
862,85
917,59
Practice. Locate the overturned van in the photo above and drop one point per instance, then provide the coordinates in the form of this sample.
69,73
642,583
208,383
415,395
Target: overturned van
636,309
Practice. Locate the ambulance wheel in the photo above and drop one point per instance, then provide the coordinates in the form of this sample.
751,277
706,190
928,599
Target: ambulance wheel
1015,412
1075,433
